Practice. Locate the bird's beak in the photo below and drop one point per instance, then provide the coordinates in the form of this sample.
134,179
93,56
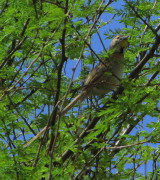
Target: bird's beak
124,42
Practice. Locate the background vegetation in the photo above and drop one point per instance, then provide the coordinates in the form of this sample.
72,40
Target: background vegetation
110,137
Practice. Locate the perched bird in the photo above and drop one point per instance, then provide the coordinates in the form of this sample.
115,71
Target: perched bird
106,76
102,79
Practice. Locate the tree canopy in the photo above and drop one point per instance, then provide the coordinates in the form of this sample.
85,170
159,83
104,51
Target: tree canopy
47,49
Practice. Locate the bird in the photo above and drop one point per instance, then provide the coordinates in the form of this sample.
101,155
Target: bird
106,76
102,79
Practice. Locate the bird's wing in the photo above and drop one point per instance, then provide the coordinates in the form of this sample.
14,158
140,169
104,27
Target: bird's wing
97,72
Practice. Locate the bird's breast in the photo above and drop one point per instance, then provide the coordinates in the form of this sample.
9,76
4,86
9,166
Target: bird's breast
105,77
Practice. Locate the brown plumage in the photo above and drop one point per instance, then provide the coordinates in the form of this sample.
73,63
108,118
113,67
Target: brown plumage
106,76
102,79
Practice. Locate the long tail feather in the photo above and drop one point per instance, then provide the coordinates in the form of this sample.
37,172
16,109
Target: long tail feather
80,97
36,137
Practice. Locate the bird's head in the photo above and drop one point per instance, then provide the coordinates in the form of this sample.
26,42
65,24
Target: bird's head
119,43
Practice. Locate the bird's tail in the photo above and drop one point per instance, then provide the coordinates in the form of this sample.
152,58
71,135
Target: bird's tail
79,97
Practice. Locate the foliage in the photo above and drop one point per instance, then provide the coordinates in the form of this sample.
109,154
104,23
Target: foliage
111,137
